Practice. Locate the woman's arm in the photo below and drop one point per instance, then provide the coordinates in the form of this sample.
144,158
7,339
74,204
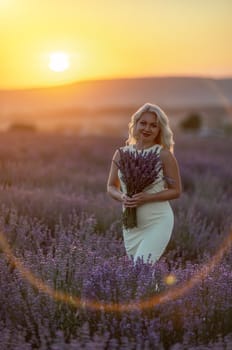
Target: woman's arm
113,186
174,189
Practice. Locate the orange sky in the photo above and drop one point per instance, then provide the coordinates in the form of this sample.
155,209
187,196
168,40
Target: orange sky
112,39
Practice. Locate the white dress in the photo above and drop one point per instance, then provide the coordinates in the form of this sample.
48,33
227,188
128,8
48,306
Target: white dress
155,222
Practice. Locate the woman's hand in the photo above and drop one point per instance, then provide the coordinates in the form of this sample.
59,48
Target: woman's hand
136,200
124,198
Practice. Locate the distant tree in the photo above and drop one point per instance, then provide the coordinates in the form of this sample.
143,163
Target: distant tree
227,128
22,127
192,122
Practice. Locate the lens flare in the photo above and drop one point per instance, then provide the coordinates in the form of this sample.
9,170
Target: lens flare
170,279
157,299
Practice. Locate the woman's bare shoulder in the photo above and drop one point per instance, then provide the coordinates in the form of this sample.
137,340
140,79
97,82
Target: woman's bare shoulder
166,155
116,155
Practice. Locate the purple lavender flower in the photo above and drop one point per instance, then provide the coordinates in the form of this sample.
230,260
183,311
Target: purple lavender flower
139,170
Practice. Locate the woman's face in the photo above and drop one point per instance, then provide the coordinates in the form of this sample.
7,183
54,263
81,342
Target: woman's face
147,128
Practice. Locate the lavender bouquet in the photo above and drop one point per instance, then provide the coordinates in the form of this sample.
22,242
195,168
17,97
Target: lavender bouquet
139,170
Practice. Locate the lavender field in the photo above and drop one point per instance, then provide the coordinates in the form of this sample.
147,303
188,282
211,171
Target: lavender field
63,228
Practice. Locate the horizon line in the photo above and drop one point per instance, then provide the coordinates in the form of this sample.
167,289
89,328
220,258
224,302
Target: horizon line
43,87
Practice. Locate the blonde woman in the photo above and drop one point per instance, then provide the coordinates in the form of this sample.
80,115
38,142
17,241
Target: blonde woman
149,131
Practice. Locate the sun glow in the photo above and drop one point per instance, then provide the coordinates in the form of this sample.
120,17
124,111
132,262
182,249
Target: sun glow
59,61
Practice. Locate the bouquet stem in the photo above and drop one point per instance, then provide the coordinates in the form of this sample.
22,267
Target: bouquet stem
129,218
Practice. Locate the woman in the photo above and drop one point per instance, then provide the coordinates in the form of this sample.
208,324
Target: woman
149,131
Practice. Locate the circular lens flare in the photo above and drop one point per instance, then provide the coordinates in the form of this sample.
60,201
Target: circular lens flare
170,279
161,298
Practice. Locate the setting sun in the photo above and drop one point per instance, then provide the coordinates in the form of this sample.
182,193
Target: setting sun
75,44
59,61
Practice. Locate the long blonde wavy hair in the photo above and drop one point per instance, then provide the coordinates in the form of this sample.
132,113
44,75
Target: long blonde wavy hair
165,137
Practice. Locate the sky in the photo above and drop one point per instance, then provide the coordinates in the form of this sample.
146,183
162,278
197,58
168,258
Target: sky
113,39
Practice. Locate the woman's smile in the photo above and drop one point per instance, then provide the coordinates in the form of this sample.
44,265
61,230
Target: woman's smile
146,134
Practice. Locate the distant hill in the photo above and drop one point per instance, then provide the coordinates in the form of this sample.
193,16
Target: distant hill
168,92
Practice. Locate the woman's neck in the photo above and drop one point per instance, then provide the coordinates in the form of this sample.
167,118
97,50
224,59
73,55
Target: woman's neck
143,145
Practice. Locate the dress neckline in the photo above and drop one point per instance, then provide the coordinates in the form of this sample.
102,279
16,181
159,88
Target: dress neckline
145,149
